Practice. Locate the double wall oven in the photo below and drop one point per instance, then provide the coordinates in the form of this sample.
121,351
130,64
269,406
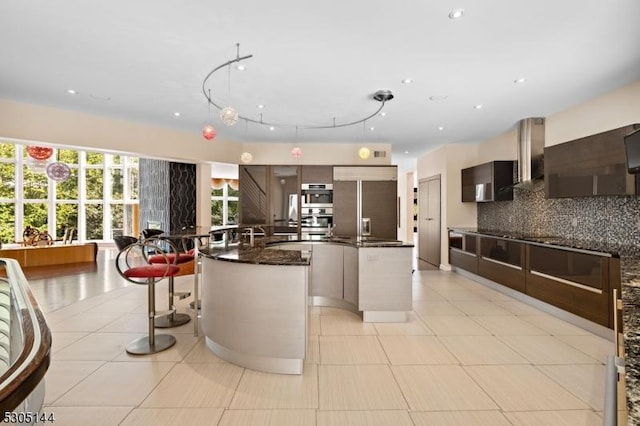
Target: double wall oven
316,209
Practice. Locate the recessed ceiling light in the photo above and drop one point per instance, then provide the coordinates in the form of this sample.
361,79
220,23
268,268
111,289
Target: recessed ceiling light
479,106
241,67
260,106
372,128
176,114
407,81
438,97
272,128
440,128
520,80
456,13
72,92
406,152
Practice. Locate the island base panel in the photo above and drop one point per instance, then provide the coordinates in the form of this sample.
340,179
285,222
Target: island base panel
256,362
384,316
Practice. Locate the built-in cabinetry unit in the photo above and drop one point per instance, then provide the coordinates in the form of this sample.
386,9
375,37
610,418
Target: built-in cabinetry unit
593,165
575,280
488,182
369,194
271,195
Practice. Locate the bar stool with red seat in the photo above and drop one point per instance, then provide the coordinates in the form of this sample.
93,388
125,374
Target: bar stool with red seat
173,319
132,265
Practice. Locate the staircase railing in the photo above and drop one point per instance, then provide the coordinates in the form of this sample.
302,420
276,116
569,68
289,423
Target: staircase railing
25,342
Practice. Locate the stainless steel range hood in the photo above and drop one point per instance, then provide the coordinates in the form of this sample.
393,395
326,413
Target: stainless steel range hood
530,151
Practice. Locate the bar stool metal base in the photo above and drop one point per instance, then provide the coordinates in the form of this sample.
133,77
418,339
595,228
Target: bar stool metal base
143,346
172,320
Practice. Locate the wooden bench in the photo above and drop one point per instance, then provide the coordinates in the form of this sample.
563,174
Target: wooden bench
52,255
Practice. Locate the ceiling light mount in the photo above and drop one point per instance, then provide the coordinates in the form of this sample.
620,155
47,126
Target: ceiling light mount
382,96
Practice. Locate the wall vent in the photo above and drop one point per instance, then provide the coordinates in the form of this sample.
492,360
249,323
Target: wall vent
379,154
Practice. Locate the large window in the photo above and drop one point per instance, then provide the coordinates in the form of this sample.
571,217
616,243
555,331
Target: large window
224,201
99,199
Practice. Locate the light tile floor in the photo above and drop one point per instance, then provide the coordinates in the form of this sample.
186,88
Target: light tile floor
467,356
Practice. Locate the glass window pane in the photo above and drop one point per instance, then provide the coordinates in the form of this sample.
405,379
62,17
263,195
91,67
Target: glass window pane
232,217
216,212
93,181
95,158
7,150
232,192
66,217
94,213
34,185
116,159
216,192
133,183
117,185
7,222
68,189
35,215
7,180
117,220
132,160
68,156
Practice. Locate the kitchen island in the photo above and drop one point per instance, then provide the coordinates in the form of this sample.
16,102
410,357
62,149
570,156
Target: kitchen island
255,298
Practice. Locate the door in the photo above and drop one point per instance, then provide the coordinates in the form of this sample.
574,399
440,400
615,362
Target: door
429,220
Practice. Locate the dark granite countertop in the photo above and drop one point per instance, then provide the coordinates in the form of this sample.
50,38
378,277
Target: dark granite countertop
258,253
630,284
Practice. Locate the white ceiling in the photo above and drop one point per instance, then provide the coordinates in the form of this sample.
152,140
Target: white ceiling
143,60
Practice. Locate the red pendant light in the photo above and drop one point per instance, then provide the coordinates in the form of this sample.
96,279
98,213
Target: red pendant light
209,132
39,152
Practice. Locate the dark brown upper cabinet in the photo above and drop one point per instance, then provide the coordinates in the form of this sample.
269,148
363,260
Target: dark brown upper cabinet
488,182
589,166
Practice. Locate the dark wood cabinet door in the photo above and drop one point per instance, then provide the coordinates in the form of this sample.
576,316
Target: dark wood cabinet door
593,165
317,174
379,203
345,205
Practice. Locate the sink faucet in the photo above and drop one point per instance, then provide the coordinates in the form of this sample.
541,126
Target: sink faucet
330,229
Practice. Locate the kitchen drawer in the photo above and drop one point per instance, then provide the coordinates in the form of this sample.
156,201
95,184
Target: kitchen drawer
463,260
587,304
574,281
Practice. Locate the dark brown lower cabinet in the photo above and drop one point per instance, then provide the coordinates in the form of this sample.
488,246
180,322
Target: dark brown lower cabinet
464,260
502,261
574,281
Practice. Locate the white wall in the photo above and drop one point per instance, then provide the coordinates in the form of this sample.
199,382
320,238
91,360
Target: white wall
610,111
315,153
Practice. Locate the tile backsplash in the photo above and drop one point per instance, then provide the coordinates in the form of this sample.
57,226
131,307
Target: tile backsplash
604,219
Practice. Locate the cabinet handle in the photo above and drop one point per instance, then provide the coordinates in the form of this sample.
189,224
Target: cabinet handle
567,282
488,259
